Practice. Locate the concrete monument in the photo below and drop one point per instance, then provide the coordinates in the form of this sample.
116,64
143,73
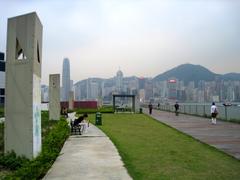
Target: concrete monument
23,85
54,96
71,100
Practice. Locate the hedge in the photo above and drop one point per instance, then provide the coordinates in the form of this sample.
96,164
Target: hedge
38,167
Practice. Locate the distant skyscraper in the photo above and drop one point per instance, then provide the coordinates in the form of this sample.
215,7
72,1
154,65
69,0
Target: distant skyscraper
172,89
141,83
119,81
71,85
44,93
65,79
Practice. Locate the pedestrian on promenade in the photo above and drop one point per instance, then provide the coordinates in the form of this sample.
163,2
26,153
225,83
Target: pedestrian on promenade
158,105
176,106
150,106
214,113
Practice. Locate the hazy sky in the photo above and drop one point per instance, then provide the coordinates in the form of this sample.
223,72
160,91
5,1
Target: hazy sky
142,37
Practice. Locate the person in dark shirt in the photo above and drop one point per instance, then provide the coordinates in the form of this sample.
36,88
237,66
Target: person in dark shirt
176,108
80,119
150,107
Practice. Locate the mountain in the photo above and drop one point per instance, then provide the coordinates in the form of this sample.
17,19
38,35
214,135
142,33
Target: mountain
187,73
231,77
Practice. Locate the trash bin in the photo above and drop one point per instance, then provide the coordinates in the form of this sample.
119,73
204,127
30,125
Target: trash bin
98,120
140,110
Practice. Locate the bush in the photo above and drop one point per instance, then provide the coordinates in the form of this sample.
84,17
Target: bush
11,161
88,111
53,142
103,109
106,109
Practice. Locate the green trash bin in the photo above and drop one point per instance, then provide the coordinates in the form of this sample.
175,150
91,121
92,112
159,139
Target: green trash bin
98,120
140,110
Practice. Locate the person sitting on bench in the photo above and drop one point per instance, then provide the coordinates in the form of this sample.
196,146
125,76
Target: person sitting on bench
82,121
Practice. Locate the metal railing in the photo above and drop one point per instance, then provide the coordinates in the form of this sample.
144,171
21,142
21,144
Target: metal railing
225,112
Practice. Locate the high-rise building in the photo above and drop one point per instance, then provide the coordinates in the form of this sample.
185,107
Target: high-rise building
148,89
119,81
141,83
44,93
94,90
65,79
172,89
2,79
71,85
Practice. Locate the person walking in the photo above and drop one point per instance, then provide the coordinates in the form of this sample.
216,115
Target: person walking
214,113
176,106
150,108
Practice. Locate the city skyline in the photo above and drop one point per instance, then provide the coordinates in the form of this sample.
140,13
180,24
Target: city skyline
143,38
116,75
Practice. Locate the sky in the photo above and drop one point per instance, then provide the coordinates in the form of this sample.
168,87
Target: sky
140,37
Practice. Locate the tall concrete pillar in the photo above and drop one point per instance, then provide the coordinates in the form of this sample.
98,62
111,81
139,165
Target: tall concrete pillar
54,96
23,85
71,100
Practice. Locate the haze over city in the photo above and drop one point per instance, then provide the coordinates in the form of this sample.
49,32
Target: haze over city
142,38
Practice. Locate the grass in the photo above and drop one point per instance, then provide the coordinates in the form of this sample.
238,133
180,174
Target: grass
151,150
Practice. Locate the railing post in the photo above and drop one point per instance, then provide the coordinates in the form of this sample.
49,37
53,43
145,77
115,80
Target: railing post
226,117
204,110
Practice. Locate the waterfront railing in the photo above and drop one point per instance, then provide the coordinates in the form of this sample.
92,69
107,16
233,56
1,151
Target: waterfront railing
229,113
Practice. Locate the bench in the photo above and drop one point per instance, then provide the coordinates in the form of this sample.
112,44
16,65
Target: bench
76,130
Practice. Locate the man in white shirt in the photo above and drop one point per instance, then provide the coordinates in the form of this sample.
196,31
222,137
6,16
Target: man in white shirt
214,113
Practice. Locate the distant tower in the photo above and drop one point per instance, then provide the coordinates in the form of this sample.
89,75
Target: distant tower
119,81
65,80
172,89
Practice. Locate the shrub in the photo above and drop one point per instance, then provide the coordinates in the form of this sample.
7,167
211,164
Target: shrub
103,109
11,161
53,142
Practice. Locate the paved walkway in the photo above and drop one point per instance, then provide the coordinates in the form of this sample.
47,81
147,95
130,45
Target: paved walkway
91,156
224,135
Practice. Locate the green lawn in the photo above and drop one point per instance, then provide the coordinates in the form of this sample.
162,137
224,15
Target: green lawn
151,150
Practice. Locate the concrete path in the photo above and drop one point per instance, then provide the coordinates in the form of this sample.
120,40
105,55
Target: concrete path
224,135
91,156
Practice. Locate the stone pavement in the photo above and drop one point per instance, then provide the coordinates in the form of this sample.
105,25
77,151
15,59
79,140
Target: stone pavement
91,156
224,135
